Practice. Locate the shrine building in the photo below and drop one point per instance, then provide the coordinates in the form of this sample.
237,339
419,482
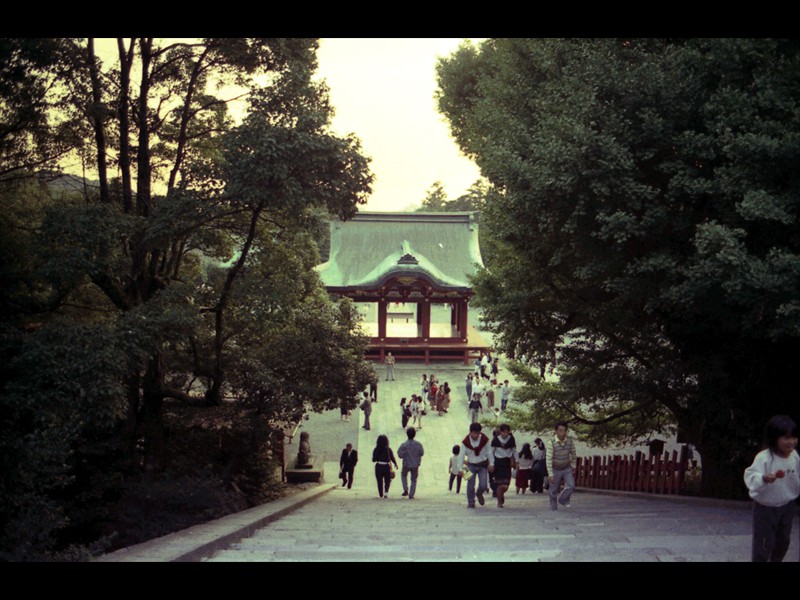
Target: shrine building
408,275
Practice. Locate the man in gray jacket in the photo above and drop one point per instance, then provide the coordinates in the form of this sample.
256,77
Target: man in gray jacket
411,452
366,408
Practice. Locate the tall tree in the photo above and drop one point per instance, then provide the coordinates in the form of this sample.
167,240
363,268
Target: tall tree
191,262
645,226
37,125
471,200
435,199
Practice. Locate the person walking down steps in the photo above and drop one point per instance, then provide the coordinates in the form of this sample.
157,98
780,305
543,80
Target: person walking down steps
347,465
405,412
366,408
410,452
383,457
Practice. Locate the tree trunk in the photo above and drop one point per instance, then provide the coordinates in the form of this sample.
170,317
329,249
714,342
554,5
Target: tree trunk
96,113
143,154
721,476
130,427
722,461
125,61
214,393
152,414
186,116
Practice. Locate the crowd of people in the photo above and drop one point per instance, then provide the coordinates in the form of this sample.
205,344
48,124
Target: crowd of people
495,463
484,390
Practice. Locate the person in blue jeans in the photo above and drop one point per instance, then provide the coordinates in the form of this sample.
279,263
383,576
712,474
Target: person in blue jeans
505,391
561,461
476,449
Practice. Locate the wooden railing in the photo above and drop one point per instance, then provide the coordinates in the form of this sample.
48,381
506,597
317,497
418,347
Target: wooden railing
655,474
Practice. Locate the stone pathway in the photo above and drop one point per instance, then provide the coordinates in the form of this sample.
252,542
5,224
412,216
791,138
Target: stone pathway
356,525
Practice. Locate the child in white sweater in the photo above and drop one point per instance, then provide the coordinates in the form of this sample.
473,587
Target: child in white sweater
455,468
774,483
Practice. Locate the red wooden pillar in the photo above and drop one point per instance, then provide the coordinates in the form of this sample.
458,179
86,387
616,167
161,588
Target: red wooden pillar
425,309
382,320
462,319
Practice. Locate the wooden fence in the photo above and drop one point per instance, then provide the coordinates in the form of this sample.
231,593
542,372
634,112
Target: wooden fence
654,474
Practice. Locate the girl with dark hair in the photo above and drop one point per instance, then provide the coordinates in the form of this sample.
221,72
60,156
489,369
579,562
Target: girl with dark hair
774,483
383,457
539,466
456,469
405,413
504,449
524,468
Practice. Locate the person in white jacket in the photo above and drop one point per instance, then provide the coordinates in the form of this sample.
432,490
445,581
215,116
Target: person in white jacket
774,483
476,449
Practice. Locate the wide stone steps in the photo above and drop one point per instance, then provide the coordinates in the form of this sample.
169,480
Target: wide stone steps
355,525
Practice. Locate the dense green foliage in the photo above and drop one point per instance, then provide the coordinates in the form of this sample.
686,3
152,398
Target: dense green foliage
162,321
472,200
644,224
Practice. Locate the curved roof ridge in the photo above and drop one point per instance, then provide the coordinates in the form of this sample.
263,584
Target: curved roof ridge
394,264
371,247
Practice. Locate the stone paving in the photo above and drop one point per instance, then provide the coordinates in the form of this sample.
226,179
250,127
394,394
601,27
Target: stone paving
327,523
356,525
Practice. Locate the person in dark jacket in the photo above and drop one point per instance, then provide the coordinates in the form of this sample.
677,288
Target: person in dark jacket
405,412
383,457
347,465
539,472
366,408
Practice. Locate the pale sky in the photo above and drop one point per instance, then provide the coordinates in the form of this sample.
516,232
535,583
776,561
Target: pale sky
382,90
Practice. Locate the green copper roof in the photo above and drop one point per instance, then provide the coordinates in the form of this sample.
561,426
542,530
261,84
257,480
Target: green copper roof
371,247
